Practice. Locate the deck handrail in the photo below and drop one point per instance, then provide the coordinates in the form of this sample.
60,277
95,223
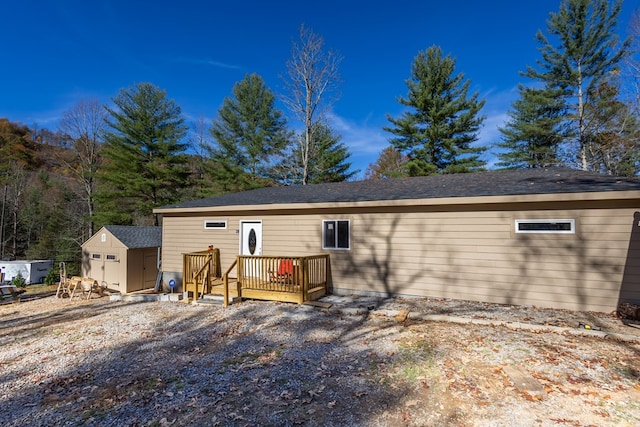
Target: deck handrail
208,263
260,275
225,283
283,278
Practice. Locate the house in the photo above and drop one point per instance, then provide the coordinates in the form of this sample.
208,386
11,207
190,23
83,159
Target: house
124,258
546,237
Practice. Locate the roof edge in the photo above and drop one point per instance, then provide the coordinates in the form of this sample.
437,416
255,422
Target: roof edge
475,200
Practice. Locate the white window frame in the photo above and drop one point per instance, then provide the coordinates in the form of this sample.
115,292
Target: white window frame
207,222
335,247
572,229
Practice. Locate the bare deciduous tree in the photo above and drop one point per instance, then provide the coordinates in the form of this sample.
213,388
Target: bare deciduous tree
633,61
311,86
17,179
200,137
83,124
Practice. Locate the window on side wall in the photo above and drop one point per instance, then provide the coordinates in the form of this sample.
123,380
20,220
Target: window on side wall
336,234
213,224
546,226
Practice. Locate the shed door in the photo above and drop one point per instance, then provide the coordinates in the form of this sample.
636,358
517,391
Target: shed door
113,273
96,267
150,267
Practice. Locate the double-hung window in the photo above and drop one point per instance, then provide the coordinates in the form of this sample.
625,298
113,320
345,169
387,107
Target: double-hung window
335,234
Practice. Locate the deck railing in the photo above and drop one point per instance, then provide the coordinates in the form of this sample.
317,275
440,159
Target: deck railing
198,269
276,278
225,284
283,278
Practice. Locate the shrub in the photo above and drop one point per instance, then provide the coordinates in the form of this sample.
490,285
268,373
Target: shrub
51,278
19,281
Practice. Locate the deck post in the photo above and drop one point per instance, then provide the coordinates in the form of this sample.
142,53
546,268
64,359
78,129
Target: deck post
225,290
305,279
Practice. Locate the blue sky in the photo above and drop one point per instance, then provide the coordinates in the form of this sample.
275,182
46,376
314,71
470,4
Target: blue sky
56,53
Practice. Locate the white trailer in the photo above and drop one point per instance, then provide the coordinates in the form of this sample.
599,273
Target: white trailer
33,271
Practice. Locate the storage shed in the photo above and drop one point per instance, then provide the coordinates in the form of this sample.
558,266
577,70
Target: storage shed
125,258
554,238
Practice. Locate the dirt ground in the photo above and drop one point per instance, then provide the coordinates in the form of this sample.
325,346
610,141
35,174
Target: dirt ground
265,364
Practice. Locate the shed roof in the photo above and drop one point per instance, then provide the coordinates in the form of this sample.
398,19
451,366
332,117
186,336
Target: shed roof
135,237
493,183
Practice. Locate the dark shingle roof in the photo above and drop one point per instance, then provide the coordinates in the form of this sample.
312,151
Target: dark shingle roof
493,183
134,237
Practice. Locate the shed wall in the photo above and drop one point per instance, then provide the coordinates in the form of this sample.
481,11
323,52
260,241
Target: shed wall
464,251
105,261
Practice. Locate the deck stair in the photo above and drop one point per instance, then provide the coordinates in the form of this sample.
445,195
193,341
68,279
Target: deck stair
276,278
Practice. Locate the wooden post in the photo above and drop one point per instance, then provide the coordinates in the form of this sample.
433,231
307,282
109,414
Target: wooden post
304,286
225,290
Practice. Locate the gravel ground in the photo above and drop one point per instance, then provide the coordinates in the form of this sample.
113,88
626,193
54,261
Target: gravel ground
359,363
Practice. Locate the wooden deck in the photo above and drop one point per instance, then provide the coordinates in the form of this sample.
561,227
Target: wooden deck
273,278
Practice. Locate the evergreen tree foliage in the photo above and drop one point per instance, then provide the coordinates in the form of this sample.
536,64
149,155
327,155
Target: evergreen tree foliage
579,57
532,137
249,134
443,122
144,152
330,159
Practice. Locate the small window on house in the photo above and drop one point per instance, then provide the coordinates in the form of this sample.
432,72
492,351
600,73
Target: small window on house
111,257
215,225
549,226
335,234
96,256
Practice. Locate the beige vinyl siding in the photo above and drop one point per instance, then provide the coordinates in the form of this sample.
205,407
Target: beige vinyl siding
113,273
490,262
466,252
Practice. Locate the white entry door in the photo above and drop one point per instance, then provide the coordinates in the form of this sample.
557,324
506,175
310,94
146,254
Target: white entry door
251,244
251,238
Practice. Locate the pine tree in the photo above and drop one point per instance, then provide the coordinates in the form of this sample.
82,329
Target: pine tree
532,137
145,160
438,134
249,134
330,156
581,55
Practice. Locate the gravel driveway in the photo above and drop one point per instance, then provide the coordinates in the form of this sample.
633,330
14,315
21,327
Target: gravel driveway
363,362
